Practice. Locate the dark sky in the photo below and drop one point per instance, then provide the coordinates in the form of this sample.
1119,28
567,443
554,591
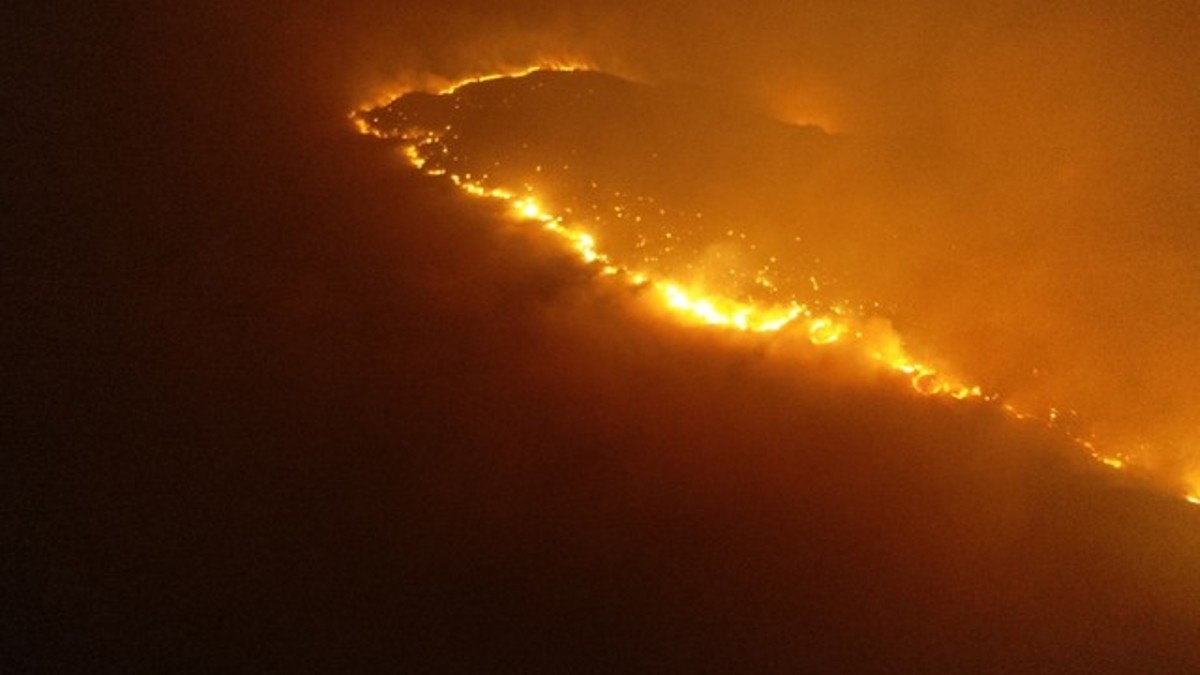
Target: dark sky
281,404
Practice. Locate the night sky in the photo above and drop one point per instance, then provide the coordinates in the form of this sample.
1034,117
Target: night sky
276,401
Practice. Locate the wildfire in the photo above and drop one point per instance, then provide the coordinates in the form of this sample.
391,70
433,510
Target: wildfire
839,328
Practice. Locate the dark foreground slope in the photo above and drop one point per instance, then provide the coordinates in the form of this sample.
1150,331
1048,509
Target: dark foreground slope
282,406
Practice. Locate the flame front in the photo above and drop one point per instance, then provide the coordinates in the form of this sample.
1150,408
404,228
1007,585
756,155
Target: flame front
839,328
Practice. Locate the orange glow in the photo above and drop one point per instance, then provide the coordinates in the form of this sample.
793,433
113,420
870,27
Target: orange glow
528,209
1193,483
825,331
719,311
839,329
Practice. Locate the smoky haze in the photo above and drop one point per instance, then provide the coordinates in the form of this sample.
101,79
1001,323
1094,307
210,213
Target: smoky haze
1026,214
308,409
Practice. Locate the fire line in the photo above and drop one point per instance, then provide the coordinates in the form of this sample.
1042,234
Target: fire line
824,329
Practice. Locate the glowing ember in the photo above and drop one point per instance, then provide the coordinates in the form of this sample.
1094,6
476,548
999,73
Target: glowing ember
840,328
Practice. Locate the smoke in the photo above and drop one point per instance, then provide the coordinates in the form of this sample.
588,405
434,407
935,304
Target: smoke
1029,175
332,414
